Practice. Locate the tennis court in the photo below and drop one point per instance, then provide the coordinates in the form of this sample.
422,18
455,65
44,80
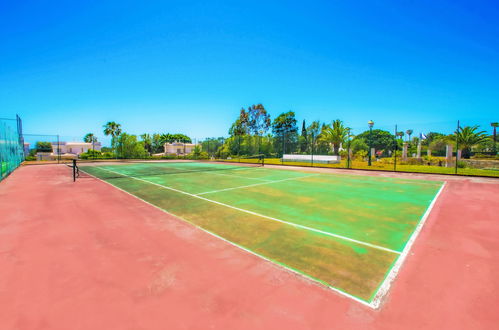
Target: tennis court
348,232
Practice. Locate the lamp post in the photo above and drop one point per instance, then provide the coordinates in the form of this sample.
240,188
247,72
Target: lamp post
371,124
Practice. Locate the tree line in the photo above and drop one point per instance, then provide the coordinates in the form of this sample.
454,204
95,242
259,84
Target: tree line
255,133
124,145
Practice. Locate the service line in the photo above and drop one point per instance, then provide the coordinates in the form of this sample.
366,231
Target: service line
261,215
256,184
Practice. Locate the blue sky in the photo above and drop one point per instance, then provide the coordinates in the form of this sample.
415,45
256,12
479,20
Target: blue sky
189,66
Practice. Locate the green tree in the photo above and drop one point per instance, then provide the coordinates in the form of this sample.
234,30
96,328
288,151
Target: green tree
196,152
114,129
494,136
313,131
359,144
267,145
303,137
258,122
106,150
169,138
128,147
439,143
238,130
430,137
211,145
43,146
334,135
147,141
157,144
468,137
381,140
285,131
240,126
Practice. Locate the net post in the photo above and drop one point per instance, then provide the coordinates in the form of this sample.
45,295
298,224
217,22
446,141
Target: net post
74,170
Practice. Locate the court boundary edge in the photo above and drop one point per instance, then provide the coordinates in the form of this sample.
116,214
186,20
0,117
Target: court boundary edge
374,246
393,272
308,277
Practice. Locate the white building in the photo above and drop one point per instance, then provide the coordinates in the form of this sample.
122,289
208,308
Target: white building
74,148
26,149
179,148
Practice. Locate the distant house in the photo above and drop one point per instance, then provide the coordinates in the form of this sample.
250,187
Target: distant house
68,150
74,148
179,148
26,149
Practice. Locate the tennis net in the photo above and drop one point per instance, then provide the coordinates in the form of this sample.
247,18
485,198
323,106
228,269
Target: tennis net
157,168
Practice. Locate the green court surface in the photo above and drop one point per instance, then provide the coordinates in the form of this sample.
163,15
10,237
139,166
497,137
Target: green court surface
345,231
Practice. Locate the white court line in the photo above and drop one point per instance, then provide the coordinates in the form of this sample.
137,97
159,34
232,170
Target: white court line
261,215
385,286
341,292
224,174
235,176
256,184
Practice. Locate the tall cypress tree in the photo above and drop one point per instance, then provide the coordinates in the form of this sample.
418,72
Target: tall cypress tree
303,137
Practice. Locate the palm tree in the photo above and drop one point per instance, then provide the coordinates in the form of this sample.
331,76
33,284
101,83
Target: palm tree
400,134
113,129
409,132
90,138
467,137
335,135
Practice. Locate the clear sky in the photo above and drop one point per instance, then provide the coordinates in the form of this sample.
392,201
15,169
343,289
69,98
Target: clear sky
189,66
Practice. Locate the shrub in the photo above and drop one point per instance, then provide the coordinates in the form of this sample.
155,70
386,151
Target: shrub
484,156
360,155
95,154
414,161
43,146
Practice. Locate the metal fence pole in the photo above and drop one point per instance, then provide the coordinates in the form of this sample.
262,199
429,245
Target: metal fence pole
239,148
457,145
312,150
58,148
283,147
348,151
396,150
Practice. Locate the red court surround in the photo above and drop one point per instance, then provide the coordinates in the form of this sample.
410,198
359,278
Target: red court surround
85,255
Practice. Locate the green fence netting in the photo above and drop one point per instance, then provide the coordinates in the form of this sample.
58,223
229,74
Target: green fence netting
11,145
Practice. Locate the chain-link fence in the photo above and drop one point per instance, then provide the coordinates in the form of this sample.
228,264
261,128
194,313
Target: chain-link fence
11,145
441,147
